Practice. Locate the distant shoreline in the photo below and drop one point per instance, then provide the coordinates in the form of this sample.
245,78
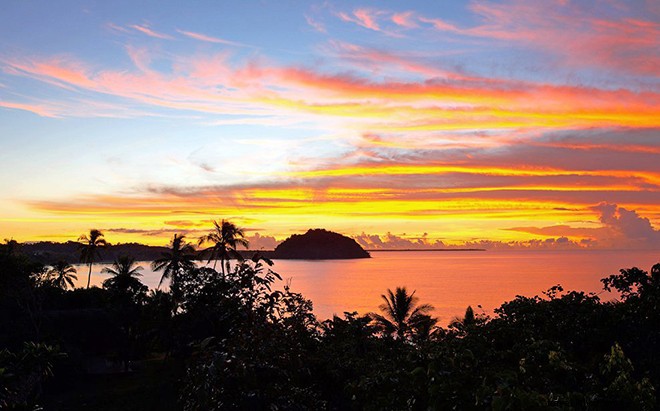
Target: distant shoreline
49,252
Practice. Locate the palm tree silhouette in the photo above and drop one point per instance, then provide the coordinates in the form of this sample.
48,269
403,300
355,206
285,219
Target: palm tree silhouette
225,238
90,249
401,314
62,274
125,275
178,259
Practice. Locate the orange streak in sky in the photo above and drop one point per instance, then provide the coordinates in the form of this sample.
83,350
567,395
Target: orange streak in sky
443,169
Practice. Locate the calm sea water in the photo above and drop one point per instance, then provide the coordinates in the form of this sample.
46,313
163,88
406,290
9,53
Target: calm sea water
448,280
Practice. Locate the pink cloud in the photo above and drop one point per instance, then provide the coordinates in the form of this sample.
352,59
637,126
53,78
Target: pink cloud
405,19
262,242
573,33
115,27
391,241
33,108
441,100
145,29
441,25
318,26
63,72
209,39
630,228
380,60
621,228
366,18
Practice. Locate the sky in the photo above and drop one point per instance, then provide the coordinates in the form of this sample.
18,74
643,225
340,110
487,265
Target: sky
493,124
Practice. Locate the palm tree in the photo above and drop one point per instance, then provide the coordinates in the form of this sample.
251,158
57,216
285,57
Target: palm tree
178,259
62,275
90,249
125,275
225,238
401,314
468,320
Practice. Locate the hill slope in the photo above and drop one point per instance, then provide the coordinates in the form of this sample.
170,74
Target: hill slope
319,244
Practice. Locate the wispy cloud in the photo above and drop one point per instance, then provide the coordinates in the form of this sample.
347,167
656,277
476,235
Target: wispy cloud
579,36
389,132
146,29
363,17
368,19
40,110
405,19
315,24
211,84
210,39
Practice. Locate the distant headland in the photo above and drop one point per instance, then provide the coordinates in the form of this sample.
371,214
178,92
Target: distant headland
315,244
319,244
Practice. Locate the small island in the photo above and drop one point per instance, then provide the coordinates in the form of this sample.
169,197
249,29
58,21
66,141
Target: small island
319,244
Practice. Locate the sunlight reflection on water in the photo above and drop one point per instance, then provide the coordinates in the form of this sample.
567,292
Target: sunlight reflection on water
449,280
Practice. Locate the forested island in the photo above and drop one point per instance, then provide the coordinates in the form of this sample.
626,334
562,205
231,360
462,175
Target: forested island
223,337
319,244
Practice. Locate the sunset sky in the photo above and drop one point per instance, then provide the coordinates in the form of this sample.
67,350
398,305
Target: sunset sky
402,124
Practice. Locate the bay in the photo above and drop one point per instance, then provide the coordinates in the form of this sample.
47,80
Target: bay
450,281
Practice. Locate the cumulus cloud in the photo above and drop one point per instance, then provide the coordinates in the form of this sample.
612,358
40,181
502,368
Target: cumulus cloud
621,228
262,242
391,241
627,227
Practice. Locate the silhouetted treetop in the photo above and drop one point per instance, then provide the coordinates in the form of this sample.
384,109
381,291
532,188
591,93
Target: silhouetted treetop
319,244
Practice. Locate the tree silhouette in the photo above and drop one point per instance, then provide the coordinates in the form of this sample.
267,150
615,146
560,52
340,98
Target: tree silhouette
225,237
62,274
401,314
125,275
90,249
177,260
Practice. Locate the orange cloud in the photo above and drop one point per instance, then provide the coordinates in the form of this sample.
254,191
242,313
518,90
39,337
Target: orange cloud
212,85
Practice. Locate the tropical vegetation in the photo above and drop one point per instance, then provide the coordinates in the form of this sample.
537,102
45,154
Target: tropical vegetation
178,260
125,272
90,249
62,275
240,339
225,238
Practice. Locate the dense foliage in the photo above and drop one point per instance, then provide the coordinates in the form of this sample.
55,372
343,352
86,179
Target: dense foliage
239,340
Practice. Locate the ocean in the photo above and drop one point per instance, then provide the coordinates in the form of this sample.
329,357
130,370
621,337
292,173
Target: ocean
449,280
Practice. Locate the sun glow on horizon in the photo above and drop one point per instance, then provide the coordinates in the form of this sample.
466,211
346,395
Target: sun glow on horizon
426,126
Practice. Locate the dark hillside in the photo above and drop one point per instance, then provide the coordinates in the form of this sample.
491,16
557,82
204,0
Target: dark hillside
319,244
47,252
